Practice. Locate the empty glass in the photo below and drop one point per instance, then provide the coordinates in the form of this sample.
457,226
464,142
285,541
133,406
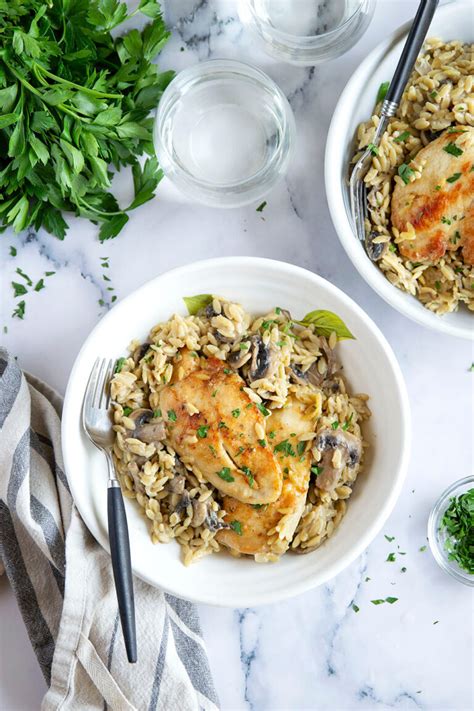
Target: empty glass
307,32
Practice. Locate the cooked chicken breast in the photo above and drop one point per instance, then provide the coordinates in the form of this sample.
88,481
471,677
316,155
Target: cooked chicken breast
251,524
440,204
214,426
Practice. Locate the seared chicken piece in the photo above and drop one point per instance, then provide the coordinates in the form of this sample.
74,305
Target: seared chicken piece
212,424
440,204
250,524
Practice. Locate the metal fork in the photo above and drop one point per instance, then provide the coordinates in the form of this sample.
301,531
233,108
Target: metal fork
357,188
97,423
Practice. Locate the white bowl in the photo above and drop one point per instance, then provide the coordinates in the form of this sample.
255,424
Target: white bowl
370,366
355,105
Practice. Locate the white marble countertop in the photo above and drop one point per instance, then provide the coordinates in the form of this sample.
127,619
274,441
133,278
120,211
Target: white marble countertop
312,652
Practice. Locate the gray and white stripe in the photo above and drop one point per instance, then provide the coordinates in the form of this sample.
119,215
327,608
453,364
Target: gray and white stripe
63,584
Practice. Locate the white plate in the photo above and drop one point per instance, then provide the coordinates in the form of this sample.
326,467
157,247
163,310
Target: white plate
356,104
370,365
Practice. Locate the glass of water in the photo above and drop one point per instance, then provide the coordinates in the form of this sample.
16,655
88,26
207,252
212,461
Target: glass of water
307,32
224,133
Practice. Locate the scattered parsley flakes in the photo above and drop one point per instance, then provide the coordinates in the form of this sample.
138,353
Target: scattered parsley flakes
24,276
435,622
403,570
316,470
227,371
452,178
225,474
347,423
202,431
236,412
402,137
382,91
119,365
355,607
405,172
285,447
300,448
237,527
264,411
19,289
19,312
272,433
377,602
335,425
127,411
471,369
157,413
390,558
453,149
13,252
249,475
373,149
437,187
262,442
437,285
390,538
261,207
39,285
49,273
391,600
172,415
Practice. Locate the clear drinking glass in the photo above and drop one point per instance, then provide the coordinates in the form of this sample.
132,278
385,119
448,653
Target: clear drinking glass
307,32
437,537
224,133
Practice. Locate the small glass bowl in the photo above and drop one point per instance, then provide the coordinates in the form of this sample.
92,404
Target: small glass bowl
224,133
437,537
307,32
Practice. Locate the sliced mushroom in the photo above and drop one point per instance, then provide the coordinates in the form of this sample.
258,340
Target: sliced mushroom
263,359
180,502
338,449
140,352
213,522
147,428
312,375
238,358
375,250
176,484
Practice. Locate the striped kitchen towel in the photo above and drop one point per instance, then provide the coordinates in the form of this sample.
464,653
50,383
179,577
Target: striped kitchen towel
63,582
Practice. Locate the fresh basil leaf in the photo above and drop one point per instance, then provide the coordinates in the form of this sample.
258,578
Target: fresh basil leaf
196,303
327,322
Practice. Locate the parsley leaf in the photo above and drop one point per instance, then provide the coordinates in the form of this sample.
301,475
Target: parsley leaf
237,527
225,474
453,149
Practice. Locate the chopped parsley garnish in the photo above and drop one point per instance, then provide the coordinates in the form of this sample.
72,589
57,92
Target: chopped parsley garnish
213,451
316,470
403,570
382,92
240,451
237,527
172,415
471,369
24,276
405,172
236,412
225,474
445,220
391,600
127,411
402,137
300,448
437,187
277,310
262,442
244,345
19,289
39,285
347,423
453,149
227,371
263,409
433,94
390,558
222,426
13,252
19,312
261,207
437,285
249,476
259,506
373,149
458,526
423,548
119,365
355,607
392,248
157,413
335,425
214,393
202,431
455,238
453,178
390,538
285,447
271,434
377,602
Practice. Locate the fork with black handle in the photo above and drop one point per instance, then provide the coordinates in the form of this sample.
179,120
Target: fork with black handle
97,424
357,189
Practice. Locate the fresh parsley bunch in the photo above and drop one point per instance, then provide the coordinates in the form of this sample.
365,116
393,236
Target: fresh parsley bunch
75,103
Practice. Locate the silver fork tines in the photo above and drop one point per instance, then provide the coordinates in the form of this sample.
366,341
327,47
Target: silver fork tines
96,417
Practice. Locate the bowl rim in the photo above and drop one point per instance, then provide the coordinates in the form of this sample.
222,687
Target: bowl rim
250,598
403,302
438,551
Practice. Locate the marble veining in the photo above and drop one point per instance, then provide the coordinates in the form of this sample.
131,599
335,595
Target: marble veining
315,651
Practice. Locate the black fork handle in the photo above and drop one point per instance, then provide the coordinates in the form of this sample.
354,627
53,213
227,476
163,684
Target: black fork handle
413,44
121,566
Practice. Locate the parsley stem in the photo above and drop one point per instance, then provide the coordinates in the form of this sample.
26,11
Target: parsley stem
93,92
98,212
